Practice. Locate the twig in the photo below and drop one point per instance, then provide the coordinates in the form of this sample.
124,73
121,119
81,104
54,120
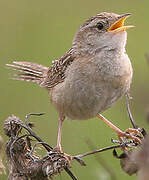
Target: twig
70,173
33,148
123,144
129,112
32,114
47,147
135,126
97,151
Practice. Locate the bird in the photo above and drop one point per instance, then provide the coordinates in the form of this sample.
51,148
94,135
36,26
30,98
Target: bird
91,76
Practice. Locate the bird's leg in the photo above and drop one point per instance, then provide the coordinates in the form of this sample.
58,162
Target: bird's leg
59,135
58,147
127,134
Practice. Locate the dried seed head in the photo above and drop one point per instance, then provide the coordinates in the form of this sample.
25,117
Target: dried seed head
11,126
55,163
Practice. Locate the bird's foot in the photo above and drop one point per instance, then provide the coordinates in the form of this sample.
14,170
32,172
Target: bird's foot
58,149
130,133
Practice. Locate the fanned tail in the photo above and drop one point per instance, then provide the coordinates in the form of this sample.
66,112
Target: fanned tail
29,71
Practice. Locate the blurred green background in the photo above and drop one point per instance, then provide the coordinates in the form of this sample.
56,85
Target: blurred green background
40,31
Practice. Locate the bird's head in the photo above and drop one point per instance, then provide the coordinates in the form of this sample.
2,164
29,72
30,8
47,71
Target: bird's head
105,30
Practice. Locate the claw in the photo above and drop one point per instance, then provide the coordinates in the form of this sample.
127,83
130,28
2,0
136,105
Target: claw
135,131
132,134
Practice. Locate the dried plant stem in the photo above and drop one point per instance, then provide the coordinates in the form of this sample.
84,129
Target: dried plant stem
129,111
97,151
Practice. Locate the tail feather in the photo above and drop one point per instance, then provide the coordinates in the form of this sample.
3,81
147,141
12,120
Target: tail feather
22,68
27,77
29,71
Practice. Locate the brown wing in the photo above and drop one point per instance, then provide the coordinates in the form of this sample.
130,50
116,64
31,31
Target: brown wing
56,73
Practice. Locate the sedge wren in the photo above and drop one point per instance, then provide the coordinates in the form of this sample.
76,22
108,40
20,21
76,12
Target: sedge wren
91,76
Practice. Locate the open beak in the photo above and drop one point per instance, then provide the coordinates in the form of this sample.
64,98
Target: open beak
118,26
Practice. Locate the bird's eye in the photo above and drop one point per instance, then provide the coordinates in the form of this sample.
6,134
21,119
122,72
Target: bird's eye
100,26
